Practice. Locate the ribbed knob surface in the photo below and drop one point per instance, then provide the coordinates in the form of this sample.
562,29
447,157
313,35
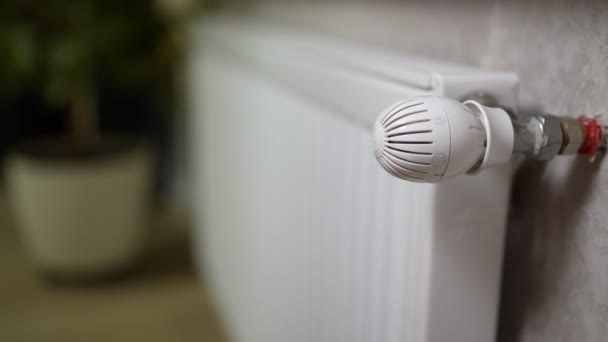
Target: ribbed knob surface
406,139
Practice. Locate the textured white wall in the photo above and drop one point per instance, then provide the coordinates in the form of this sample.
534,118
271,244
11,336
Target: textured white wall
556,285
556,282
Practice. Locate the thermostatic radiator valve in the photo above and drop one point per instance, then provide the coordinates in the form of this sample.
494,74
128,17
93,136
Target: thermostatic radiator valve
432,138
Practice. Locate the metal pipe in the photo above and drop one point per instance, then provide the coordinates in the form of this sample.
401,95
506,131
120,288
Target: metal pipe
544,136
538,136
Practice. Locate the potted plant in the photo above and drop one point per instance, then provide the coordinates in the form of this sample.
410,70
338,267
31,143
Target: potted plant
80,200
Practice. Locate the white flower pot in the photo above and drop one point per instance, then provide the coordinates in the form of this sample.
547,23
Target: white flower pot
81,216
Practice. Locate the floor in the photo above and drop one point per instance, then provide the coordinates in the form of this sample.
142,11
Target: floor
162,300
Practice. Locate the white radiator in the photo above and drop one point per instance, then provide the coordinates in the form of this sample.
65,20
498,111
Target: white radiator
300,233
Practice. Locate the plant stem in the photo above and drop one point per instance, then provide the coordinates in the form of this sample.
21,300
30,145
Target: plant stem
84,131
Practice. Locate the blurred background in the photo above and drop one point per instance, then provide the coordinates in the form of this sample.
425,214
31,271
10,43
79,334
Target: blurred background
93,240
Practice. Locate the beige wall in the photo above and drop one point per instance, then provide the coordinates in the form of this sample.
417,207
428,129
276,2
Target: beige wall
556,283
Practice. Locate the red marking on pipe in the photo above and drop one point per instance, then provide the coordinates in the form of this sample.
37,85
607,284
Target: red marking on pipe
593,134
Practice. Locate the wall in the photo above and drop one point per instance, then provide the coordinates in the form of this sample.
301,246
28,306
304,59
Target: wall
556,267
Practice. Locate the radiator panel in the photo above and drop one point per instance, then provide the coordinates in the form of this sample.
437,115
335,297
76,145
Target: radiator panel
302,235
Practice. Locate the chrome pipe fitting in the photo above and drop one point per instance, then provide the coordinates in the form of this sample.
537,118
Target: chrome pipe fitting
538,136
544,136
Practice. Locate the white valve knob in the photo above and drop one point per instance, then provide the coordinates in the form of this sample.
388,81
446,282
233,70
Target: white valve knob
431,138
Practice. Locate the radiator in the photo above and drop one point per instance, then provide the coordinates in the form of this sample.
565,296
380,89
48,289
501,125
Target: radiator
299,233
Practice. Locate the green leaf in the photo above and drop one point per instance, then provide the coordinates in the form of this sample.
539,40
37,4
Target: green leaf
57,91
18,55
